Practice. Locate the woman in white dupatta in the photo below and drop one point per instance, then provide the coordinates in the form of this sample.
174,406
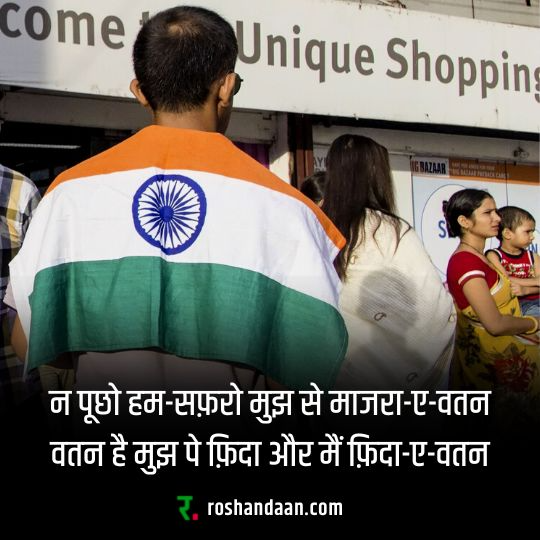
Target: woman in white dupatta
400,318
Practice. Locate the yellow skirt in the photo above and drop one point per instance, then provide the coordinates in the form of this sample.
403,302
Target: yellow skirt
508,365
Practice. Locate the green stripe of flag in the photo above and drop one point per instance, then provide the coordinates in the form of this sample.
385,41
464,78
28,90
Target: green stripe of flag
205,311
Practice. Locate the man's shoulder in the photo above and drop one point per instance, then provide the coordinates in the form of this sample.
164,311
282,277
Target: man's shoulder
16,186
6,172
10,174
174,149
102,163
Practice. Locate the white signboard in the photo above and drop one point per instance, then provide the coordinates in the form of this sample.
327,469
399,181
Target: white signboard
309,56
436,180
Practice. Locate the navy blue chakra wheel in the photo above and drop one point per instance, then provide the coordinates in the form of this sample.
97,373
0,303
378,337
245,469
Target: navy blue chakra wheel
169,212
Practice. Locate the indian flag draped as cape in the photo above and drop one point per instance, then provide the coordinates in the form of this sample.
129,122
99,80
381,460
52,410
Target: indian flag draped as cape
177,240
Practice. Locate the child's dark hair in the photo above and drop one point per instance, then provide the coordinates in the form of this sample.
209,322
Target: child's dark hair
462,203
511,218
313,186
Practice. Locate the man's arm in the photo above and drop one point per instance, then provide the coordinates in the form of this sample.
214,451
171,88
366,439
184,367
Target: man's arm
18,340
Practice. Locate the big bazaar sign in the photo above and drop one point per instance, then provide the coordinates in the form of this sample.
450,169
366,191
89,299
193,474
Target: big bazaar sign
311,56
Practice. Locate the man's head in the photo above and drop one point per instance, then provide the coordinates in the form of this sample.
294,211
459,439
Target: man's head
182,55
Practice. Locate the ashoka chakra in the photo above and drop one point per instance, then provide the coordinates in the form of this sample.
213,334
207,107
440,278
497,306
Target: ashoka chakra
169,212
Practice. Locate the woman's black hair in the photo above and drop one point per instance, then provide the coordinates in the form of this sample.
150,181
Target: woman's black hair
358,179
462,203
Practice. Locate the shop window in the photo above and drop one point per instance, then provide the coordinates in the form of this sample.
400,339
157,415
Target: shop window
258,151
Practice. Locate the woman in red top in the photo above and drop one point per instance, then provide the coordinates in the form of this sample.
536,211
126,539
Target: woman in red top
496,348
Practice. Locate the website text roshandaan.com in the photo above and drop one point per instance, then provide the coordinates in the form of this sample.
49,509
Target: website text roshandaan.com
273,508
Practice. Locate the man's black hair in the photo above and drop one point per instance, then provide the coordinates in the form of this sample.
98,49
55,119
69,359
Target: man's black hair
179,53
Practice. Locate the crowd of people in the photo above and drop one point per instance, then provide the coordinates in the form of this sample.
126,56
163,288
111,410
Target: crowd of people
174,260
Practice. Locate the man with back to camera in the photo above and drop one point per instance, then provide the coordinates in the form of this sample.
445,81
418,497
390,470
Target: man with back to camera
174,243
19,198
